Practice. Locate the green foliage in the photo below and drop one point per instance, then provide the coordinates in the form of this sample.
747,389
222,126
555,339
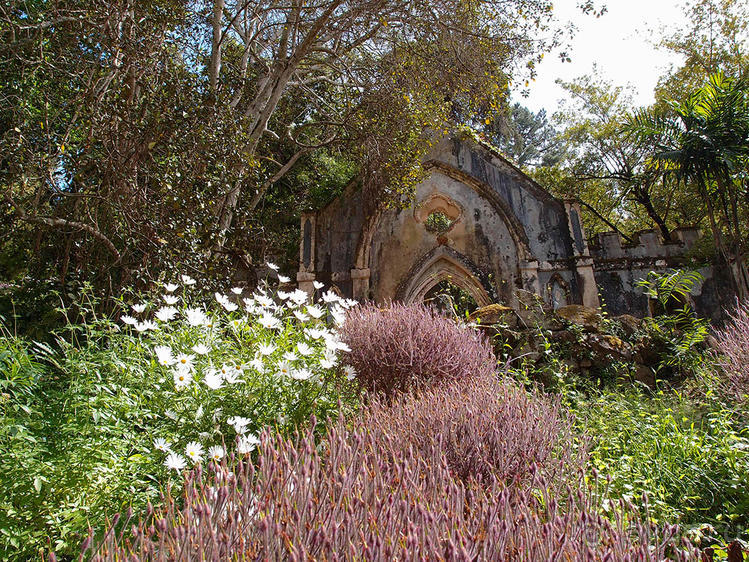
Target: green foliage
674,328
438,223
669,286
527,138
691,459
80,419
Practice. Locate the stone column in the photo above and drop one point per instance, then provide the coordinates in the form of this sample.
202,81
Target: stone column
586,278
305,282
529,274
360,283
306,274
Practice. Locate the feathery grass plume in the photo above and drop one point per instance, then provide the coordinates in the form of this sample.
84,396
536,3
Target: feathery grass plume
378,488
733,352
402,346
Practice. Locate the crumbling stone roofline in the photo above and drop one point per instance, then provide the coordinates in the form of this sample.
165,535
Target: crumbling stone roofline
649,244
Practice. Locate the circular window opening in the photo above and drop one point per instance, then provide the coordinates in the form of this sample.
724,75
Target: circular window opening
438,222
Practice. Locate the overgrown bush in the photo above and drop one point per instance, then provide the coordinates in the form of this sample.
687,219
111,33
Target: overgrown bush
733,353
121,407
378,489
401,347
691,460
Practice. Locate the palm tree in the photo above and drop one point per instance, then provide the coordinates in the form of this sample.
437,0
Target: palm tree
705,140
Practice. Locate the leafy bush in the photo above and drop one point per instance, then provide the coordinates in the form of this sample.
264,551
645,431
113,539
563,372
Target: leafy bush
733,353
124,406
404,346
369,492
674,328
693,462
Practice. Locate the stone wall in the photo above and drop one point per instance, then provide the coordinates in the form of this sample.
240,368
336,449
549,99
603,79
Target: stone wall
619,265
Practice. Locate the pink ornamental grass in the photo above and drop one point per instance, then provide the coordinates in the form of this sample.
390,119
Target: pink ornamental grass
401,347
733,352
378,489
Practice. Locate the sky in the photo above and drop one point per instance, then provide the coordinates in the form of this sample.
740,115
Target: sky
619,43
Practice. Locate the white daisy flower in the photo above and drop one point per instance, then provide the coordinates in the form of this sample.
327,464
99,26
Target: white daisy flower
299,297
258,365
175,462
233,373
317,285
290,356
283,295
331,357
200,349
269,321
139,307
237,290
182,378
283,279
216,453
264,301
170,414
187,280
272,266
166,313
340,346
330,296
129,320
170,287
303,349
184,361
196,317
213,379
237,323
301,316
315,311
164,355
327,363
224,301
350,372
145,326
171,299
338,314
284,369
301,374
161,444
239,423
314,333
266,348
247,443
194,451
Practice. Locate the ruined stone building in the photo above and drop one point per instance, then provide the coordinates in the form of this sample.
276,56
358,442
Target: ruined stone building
481,223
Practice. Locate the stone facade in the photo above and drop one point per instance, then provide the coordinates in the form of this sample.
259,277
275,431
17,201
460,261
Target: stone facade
503,233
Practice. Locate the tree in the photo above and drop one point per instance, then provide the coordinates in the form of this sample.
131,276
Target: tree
705,140
607,169
137,135
716,38
527,138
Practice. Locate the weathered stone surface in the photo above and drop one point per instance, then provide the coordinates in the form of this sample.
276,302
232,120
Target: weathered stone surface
589,318
506,233
495,314
630,324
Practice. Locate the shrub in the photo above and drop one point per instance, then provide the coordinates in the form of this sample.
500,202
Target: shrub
733,353
123,404
366,494
693,463
484,428
402,346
